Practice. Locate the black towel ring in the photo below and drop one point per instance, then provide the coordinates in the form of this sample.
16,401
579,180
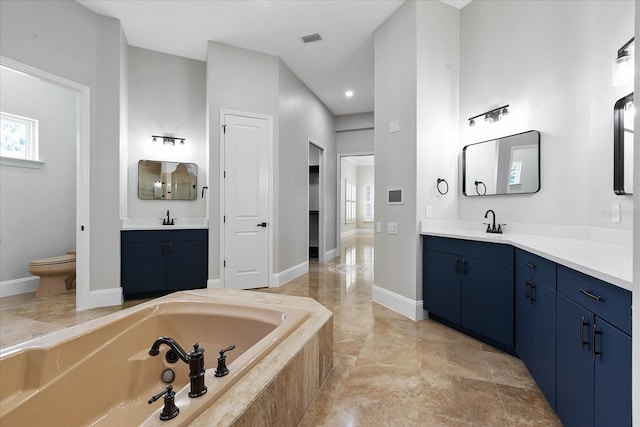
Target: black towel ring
478,183
446,186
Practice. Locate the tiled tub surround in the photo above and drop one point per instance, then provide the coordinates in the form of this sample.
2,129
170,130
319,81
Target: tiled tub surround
600,253
298,359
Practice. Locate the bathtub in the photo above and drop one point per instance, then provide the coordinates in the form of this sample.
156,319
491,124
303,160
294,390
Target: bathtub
100,373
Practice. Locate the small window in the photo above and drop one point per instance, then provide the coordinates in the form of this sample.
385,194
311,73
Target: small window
368,203
350,203
18,137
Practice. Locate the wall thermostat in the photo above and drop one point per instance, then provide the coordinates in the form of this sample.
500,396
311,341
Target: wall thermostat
395,196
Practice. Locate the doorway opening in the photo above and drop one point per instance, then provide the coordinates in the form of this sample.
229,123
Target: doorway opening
356,194
54,89
316,202
356,214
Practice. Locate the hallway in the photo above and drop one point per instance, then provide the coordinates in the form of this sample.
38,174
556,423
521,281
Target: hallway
388,370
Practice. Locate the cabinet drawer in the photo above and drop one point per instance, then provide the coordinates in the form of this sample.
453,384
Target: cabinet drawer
467,248
605,300
539,270
163,235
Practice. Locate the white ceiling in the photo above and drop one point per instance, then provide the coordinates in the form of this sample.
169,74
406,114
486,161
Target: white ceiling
342,60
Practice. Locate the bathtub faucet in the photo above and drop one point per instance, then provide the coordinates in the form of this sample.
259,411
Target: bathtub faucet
195,359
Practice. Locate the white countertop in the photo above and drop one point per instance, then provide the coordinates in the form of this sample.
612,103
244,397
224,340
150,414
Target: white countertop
156,224
612,263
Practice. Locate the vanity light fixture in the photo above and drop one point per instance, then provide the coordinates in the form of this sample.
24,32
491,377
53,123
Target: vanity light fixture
623,66
491,116
168,139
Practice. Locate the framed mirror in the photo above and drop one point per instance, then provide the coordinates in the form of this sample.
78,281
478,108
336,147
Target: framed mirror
509,165
623,116
158,180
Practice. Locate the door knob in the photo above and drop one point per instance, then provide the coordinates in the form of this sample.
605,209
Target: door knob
262,224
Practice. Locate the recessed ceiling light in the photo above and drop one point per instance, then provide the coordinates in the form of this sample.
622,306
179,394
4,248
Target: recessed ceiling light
348,93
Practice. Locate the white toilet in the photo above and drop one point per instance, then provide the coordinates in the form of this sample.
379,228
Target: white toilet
57,274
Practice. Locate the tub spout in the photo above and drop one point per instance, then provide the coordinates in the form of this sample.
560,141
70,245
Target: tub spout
155,348
195,359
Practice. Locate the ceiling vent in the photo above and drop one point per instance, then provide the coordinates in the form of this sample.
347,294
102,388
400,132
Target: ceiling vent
311,38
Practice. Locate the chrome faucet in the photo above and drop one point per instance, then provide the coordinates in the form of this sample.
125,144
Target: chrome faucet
195,359
491,228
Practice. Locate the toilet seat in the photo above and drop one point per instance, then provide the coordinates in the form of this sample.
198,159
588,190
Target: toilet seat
62,259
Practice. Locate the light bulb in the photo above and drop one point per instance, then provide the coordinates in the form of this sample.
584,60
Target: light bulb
623,70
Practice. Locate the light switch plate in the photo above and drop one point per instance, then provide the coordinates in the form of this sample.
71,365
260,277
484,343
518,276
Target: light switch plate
392,228
378,227
615,213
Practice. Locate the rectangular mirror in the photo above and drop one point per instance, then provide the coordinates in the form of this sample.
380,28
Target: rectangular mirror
509,165
159,180
623,115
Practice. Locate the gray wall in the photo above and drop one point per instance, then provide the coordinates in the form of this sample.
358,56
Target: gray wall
354,121
554,69
417,86
438,64
302,118
239,80
167,96
64,38
247,81
38,206
395,99
354,133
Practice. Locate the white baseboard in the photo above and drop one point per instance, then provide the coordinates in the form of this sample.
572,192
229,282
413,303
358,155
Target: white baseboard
346,234
289,274
350,233
364,231
398,303
18,286
328,256
105,298
214,284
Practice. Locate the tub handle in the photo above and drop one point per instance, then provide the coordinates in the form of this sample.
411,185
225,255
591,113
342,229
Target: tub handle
170,410
222,369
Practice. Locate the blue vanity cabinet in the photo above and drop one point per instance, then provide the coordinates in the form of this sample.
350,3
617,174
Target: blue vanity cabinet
593,381
441,284
470,285
535,294
156,262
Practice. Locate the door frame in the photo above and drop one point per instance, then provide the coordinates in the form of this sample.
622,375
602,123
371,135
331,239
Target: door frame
269,119
321,197
83,177
338,192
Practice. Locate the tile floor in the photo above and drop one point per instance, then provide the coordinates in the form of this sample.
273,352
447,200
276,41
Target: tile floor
388,370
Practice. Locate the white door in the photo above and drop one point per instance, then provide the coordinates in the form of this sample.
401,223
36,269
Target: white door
246,202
